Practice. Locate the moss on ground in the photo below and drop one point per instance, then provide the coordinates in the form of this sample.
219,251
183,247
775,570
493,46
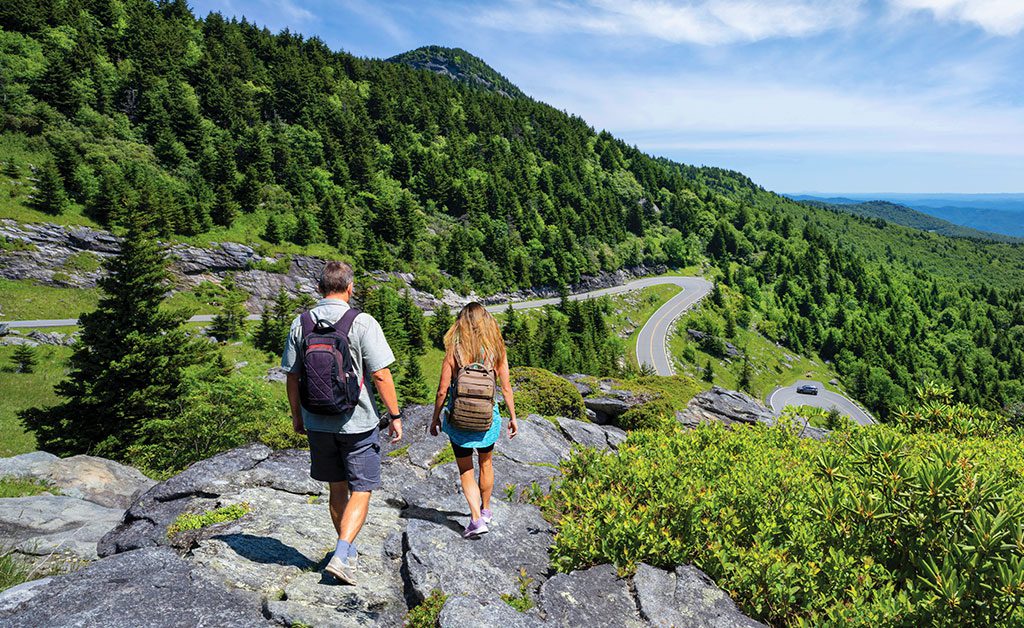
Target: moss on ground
201,520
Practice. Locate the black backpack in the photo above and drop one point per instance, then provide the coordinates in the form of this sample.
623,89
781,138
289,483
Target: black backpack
327,380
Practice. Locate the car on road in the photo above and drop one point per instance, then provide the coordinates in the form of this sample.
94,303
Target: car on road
807,389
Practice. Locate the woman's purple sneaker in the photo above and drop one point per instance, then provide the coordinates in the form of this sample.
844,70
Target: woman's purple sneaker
486,515
475,529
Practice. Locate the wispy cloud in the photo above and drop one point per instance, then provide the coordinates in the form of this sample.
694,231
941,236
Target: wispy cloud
706,22
998,17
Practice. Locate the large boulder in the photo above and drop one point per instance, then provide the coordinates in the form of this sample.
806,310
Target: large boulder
685,597
465,612
437,557
592,597
150,587
97,480
45,525
724,406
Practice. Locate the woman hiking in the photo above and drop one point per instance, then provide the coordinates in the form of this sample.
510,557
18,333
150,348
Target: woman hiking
465,408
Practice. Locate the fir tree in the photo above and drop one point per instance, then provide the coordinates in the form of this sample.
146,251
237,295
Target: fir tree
746,379
709,373
412,322
273,232
440,323
412,389
229,323
24,359
129,364
275,324
52,198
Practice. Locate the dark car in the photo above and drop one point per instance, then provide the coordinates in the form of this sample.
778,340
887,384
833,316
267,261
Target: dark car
807,389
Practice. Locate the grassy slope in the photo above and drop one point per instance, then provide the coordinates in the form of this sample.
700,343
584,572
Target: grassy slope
27,390
27,300
769,361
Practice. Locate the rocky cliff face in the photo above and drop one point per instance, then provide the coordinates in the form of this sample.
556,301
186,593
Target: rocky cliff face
265,567
69,257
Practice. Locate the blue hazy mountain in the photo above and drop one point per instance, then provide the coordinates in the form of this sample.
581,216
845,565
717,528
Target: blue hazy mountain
995,213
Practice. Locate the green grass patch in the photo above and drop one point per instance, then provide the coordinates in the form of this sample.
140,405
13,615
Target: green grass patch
23,487
27,390
446,455
12,571
430,365
211,517
26,300
398,453
83,262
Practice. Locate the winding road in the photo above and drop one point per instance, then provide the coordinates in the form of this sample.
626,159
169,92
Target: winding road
827,399
651,342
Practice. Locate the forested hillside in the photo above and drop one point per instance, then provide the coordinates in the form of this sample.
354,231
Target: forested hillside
219,129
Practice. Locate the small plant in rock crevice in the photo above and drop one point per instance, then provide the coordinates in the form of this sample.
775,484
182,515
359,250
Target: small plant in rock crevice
426,613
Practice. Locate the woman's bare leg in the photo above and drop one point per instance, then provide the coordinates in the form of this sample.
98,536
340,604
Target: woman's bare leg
470,489
486,478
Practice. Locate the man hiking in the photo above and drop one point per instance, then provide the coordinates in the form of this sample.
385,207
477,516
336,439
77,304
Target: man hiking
330,351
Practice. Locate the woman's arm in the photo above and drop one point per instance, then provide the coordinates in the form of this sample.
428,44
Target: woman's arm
506,392
447,367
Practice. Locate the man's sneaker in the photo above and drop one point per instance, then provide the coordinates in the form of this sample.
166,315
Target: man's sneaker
475,529
486,515
342,568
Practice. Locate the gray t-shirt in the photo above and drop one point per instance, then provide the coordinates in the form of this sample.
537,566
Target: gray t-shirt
370,353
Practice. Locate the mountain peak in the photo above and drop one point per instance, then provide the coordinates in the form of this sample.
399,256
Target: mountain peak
460,66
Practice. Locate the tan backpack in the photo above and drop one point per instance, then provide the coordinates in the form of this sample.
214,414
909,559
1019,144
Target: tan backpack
473,410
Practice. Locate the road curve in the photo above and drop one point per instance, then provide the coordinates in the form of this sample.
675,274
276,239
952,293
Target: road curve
650,343
788,396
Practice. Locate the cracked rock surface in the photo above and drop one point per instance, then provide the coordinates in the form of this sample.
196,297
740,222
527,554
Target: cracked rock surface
265,568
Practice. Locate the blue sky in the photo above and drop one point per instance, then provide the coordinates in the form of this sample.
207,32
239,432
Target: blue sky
802,95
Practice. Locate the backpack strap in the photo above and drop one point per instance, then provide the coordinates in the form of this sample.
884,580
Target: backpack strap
344,324
306,320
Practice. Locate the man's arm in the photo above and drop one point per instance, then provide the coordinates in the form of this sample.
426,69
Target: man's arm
293,401
385,385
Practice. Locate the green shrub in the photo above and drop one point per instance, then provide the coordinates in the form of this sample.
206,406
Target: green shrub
426,613
211,517
653,415
873,527
541,392
936,412
215,415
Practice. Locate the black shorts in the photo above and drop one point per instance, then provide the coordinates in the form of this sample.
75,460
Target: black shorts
462,452
352,458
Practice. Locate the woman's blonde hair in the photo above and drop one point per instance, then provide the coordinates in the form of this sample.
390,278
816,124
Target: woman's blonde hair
475,337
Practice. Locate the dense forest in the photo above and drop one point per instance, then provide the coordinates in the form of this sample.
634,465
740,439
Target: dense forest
207,124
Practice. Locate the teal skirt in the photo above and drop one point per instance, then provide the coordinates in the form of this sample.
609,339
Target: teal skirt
470,440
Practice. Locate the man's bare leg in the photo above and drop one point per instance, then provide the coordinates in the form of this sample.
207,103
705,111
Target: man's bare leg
338,503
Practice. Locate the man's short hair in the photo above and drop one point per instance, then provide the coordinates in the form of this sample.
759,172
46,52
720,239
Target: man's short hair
335,278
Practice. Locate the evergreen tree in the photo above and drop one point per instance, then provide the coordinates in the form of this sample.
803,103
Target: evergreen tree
412,322
273,232
275,323
746,379
129,364
709,373
51,198
440,323
229,323
412,389
24,359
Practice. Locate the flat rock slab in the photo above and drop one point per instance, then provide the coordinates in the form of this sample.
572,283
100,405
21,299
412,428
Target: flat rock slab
725,406
40,525
97,480
591,597
464,612
150,587
591,434
437,557
685,597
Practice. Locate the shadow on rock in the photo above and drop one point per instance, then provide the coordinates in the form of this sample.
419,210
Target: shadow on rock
267,550
433,515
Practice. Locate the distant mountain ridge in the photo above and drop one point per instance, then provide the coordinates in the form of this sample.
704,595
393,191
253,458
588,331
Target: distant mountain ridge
460,66
906,216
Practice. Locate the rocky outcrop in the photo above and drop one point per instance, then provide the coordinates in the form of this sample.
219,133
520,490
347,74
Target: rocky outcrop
265,567
103,482
731,407
48,254
686,597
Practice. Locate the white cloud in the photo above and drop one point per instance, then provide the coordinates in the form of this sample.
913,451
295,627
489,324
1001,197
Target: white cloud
705,22
662,113
999,17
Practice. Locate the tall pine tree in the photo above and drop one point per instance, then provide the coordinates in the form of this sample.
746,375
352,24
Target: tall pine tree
129,363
